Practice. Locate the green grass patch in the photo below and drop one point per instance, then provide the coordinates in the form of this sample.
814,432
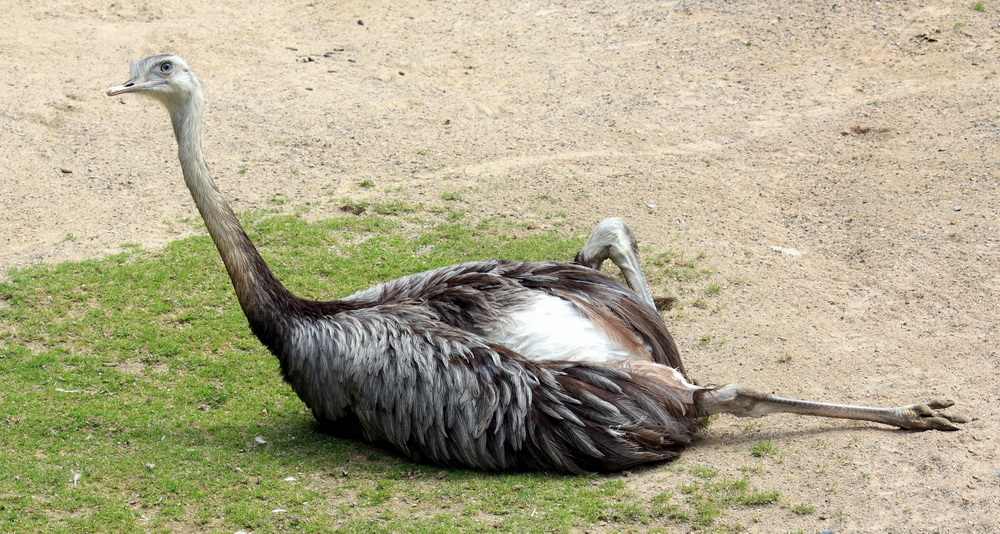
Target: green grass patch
135,399
803,509
681,275
763,448
675,266
705,501
395,207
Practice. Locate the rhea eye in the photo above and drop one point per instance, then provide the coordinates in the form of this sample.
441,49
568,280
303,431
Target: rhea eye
166,67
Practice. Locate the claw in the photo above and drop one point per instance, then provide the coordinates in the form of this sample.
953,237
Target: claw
929,417
958,418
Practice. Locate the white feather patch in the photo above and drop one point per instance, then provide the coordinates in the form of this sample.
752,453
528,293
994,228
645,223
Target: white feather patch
550,328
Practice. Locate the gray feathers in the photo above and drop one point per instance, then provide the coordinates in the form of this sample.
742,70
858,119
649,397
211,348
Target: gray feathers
403,362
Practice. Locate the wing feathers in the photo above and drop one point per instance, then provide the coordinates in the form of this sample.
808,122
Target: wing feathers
405,362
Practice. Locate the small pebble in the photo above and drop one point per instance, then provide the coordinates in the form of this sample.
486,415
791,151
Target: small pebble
786,251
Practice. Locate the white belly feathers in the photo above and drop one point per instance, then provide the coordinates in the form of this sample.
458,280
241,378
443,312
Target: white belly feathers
550,328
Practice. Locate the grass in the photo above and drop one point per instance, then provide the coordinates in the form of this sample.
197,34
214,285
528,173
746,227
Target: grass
676,267
803,509
709,497
394,207
763,448
135,399
681,274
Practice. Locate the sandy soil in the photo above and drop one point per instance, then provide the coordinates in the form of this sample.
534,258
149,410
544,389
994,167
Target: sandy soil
862,134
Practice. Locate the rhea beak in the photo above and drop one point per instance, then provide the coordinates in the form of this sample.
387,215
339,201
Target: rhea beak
132,86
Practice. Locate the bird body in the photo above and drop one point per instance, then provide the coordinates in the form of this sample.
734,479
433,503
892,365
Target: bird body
423,363
486,364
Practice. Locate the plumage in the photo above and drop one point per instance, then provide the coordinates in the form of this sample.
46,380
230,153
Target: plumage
486,364
453,396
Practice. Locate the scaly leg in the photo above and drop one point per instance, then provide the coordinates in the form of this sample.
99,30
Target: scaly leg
612,239
745,402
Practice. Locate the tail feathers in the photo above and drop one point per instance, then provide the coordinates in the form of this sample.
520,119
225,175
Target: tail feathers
664,303
607,418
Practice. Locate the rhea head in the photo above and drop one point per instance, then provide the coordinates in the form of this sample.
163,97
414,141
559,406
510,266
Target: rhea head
166,78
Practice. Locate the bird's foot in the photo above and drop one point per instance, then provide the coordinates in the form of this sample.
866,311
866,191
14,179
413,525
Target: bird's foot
930,416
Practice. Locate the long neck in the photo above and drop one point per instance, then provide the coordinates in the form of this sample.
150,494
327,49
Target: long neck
261,295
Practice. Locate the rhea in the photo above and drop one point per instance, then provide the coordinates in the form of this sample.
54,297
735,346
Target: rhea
487,364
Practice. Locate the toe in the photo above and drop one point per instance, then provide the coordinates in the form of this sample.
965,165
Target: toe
938,404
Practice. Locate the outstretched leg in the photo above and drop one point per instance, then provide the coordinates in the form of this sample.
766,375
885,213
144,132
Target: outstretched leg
612,239
745,402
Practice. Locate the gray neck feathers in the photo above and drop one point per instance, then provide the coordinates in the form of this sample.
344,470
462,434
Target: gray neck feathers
258,291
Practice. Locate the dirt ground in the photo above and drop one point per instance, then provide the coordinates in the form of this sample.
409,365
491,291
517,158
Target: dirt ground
862,134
